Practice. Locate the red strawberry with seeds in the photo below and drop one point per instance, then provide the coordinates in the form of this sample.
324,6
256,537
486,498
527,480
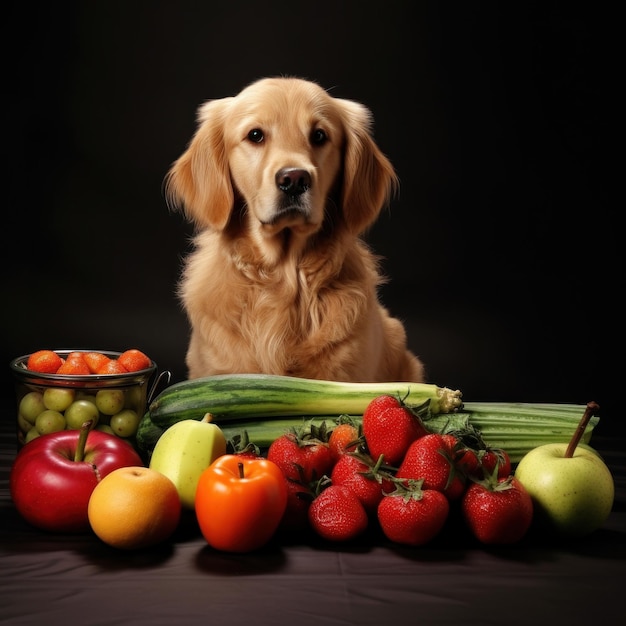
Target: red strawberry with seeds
497,510
302,454
300,494
363,477
490,457
337,514
431,458
412,515
390,426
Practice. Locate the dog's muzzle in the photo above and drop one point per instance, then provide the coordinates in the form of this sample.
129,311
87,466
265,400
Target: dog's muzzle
293,181
292,209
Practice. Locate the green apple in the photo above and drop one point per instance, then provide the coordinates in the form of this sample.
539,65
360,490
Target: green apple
571,486
184,451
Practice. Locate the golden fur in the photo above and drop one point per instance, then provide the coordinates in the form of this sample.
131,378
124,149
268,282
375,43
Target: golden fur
280,182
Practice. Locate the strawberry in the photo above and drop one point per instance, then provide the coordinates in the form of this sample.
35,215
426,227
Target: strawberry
475,457
302,454
363,477
390,426
497,510
345,437
431,458
240,444
300,494
412,515
490,457
337,514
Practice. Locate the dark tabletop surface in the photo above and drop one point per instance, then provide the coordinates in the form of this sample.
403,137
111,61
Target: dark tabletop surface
49,579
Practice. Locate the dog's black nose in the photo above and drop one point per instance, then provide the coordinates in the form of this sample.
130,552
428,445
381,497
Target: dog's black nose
293,181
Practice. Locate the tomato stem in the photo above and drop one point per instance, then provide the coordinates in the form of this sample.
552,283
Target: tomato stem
590,409
240,466
79,454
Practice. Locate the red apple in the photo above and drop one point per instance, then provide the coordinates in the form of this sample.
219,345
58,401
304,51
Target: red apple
53,476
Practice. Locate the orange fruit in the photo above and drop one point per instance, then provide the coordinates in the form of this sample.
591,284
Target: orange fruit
95,360
134,360
74,364
44,361
134,507
112,366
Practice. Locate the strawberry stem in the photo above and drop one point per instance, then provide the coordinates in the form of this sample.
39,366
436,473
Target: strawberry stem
590,409
79,453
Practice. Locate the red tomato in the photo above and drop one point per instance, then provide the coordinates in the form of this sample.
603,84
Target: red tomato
240,502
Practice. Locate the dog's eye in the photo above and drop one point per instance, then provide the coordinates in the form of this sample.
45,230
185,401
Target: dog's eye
318,137
256,135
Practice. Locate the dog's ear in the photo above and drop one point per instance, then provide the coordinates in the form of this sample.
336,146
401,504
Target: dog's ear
198,182
369,179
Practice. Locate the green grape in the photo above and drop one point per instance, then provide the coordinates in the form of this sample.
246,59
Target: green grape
110,401
105,428
31,405
31,434
134,398
81,394
49,421
58,398
79,412
125,423
23,424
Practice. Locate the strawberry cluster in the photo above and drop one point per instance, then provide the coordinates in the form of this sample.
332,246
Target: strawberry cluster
391,470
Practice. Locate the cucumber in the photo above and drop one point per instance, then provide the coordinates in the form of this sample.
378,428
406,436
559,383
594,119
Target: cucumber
147,435
259,396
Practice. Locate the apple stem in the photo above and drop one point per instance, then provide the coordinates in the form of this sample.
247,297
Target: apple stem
591,408
240,466
79,455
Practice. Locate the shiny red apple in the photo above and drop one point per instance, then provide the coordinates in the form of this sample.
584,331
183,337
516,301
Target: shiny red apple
53,476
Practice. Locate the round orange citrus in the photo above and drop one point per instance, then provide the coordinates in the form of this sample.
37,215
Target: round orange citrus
134,507
134,360
44,362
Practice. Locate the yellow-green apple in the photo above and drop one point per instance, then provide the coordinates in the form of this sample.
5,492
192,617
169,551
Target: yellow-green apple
53,475
184,451
571,486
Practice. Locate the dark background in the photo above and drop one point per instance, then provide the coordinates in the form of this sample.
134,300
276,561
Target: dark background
502,248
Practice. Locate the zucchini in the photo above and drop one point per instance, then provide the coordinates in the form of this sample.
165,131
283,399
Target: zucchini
147,435
259,396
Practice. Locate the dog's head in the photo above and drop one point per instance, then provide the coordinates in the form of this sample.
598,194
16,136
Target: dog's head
289,156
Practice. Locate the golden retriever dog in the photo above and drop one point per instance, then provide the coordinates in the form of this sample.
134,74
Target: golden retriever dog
280,182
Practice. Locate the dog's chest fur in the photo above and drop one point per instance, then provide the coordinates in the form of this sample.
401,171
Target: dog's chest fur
275,319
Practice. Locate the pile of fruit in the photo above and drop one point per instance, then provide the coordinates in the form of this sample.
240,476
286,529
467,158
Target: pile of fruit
84,363
50,408
389,470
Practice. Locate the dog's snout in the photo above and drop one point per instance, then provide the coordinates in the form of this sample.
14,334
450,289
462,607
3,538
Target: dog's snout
293,181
